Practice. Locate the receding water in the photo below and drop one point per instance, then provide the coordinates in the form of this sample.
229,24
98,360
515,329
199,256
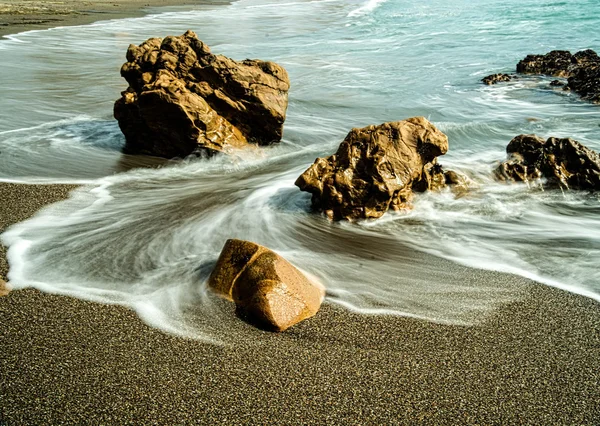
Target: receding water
147,237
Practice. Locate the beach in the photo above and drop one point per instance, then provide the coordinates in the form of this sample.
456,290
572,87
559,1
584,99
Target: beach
68,361
24,15
533,359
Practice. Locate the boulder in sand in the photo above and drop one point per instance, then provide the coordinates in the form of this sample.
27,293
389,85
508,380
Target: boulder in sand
267,290
183,99
563,162
377,168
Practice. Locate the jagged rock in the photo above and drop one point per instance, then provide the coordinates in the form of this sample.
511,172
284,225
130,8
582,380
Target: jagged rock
563,162
376,168
582,70
495,78
3,288
558,63
267,290
585,81
182,98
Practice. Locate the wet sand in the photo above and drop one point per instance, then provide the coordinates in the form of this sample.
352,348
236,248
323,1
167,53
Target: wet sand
24,15
68,361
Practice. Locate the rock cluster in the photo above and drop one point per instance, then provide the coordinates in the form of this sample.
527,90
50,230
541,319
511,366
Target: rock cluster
582,70
377,168
182,98
267,290
563,162
496,78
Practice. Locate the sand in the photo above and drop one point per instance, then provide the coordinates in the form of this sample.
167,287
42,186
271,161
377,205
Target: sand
23,15
66,361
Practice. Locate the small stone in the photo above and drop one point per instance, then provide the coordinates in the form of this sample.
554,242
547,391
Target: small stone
4,290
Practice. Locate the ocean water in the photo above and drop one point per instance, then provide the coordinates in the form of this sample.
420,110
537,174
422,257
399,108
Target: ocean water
145,232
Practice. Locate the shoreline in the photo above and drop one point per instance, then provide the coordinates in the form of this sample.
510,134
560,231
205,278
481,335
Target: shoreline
70,361
17,16
534,360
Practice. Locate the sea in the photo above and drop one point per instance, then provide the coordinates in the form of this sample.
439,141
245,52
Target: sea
145,232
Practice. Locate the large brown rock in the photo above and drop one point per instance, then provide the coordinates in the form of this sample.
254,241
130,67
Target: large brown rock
376,168
563,162
267,289
582,70
182,99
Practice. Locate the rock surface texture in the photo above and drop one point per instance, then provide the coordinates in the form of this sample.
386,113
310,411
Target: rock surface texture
582,70
183,99
563,162
267,289
495,78
377,168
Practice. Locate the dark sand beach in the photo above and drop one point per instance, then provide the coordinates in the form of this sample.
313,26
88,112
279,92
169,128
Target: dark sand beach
535,360
24,15
68,361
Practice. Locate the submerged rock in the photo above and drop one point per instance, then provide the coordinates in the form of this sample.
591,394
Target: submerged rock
495,78
563,162
267,289
582,70
376,168
182,98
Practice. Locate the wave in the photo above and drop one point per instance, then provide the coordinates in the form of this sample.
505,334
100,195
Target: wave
367,8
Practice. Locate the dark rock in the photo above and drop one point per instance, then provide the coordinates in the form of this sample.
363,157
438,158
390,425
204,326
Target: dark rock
376,168
558,63
557,83
496,78
563,162
582,70
268,290
182,98
585,81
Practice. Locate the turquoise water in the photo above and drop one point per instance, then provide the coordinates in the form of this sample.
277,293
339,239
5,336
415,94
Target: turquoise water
147,237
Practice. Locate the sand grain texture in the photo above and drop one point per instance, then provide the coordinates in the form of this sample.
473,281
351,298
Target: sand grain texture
67,361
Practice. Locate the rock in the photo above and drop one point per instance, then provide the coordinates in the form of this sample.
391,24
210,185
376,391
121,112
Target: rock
563,162
558,63
376,168
585,81
267,290
182,99
582,70
4,290
495,78
557,83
